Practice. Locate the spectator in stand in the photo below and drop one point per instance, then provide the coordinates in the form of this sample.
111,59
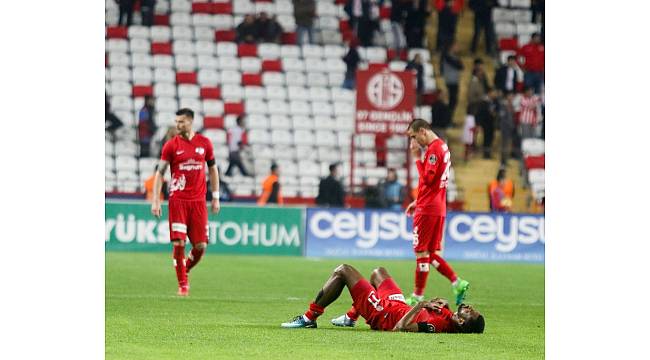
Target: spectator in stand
448,11
483,22
397,17
469,135
304,11
416,66
392,192
271,193
330,190
267,30
147,10
246,31
126,12
477,87
441,115
146,126
486,116
351,60
531,57
501,192
506,126
111,121
508,76
451,67
237,139
529,106
362,20
417,14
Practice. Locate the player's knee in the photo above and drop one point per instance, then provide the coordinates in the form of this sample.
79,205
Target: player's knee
422,254
201,246
342,269
178,242
378,275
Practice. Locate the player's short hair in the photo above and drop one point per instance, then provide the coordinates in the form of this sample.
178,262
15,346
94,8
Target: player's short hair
185,111
417,124
473,326
512,57
333,166
274,167
240,119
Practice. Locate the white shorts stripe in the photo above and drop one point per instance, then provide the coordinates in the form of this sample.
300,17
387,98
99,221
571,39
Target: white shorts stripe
179,227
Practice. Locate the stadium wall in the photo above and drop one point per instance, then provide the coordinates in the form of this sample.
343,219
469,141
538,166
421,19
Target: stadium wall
334,233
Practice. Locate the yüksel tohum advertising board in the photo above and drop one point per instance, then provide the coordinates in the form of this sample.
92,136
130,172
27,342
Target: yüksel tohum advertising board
235,230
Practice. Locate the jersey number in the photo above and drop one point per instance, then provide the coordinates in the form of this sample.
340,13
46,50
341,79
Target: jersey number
372,298
445,175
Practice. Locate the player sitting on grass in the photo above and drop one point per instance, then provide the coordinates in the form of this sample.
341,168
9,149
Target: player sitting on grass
382,304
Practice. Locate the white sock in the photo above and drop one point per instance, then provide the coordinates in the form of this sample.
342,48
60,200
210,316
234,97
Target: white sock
306,318
455,282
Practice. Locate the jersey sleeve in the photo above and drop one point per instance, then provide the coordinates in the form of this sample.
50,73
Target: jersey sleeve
167,152
209,151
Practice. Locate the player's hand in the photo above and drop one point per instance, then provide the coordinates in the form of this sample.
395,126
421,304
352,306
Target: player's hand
215,206
415,149
410,209
155,209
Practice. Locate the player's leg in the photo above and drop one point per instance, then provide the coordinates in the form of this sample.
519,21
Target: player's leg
386,288
458,285
344,275
422,237
198,233
178,234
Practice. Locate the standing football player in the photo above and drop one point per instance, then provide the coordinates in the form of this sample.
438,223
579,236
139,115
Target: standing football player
433,161
187,153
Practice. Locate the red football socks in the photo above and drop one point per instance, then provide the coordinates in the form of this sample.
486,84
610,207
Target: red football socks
421,274
314,311
441,265
194,258
179,265
353,314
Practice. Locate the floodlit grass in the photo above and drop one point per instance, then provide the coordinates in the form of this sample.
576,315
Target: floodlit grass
237,303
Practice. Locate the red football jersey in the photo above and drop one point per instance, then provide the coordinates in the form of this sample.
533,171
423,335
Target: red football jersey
434,174
393,311
187,159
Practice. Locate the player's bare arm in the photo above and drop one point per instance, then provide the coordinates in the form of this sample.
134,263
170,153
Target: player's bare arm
405,323
157,187
213,173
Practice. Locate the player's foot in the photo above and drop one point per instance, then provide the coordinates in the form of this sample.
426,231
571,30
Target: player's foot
414,299
460,290
300,322
343,320
183,290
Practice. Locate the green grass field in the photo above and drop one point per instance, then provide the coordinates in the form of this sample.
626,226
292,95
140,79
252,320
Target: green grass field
237,303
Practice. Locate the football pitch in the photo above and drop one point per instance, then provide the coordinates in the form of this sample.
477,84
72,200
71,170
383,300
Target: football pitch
237,303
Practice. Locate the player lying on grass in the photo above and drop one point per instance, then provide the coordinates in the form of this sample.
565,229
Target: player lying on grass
382,304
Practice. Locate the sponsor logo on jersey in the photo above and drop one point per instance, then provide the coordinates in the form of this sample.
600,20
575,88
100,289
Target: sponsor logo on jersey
190,165
432,159
200,150
180,152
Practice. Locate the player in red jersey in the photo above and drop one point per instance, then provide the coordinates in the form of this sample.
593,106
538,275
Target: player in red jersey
187,153
430,208
382,304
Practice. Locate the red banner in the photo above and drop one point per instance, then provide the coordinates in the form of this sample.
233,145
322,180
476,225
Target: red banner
385,101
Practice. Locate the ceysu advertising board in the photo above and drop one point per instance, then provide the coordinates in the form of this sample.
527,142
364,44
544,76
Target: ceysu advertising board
357,233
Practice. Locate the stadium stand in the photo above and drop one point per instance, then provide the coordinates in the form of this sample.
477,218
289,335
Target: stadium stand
291,95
